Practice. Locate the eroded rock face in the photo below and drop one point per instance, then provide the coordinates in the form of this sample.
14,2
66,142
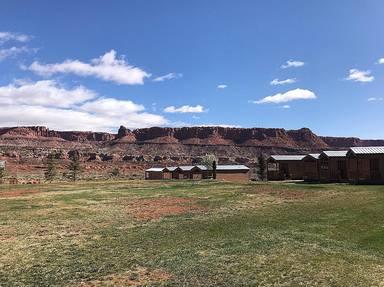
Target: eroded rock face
302,138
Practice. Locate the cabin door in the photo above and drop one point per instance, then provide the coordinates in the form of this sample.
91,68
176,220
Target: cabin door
342,168
374,169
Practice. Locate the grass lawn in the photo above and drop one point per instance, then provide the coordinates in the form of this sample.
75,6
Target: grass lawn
147,233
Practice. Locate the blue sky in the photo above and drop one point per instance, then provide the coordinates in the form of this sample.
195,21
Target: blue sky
95,65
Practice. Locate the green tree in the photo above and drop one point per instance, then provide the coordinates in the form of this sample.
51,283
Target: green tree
207,160
210,162
51,171
262,167
74,166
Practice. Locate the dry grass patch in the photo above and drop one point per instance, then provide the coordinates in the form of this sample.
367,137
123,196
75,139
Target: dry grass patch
156,208
19,192
139,277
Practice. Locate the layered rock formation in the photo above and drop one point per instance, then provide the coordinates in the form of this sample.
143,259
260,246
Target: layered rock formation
26,148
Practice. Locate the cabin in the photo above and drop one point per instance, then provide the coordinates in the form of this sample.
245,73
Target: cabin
366,164
155,173
282,167
236,172
195,172
311,167
333,166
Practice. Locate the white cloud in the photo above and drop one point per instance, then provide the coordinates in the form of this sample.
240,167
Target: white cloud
13,52
292,95
292,64
185,109
381,61
9,36
49,104
107,67
44,93
222,86
360,76
375,99
276,82
169,76
286,107
111,107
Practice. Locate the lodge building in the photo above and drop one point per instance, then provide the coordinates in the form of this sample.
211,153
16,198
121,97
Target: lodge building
281,167
311,167
355,165
333,166
366,164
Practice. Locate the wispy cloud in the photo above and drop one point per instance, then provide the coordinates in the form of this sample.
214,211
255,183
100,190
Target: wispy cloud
292,64
286,107
107,67
380,61
276,82
51,104
10,36
375,99
222,86
292,95
169,76
356,75
13,52
185,109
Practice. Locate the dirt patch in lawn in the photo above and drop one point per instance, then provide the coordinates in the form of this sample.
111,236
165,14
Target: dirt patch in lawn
281,193
138,277
18,192
155,208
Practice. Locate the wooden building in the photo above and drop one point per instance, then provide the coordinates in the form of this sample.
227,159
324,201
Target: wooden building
333,166
311,167
198,172
191,172
366,164
155,173
236,172
281,167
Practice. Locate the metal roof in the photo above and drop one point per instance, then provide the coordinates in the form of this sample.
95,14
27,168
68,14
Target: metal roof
287,157
190,167
368,150
335,153
314,155
171,168
158,169
232,167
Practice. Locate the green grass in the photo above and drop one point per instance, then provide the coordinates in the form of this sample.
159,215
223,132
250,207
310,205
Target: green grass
177,233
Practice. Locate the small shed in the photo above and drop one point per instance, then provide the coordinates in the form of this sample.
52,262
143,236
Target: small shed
236,172
2,164
311,167
281,167
333,166
155,173
366,164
